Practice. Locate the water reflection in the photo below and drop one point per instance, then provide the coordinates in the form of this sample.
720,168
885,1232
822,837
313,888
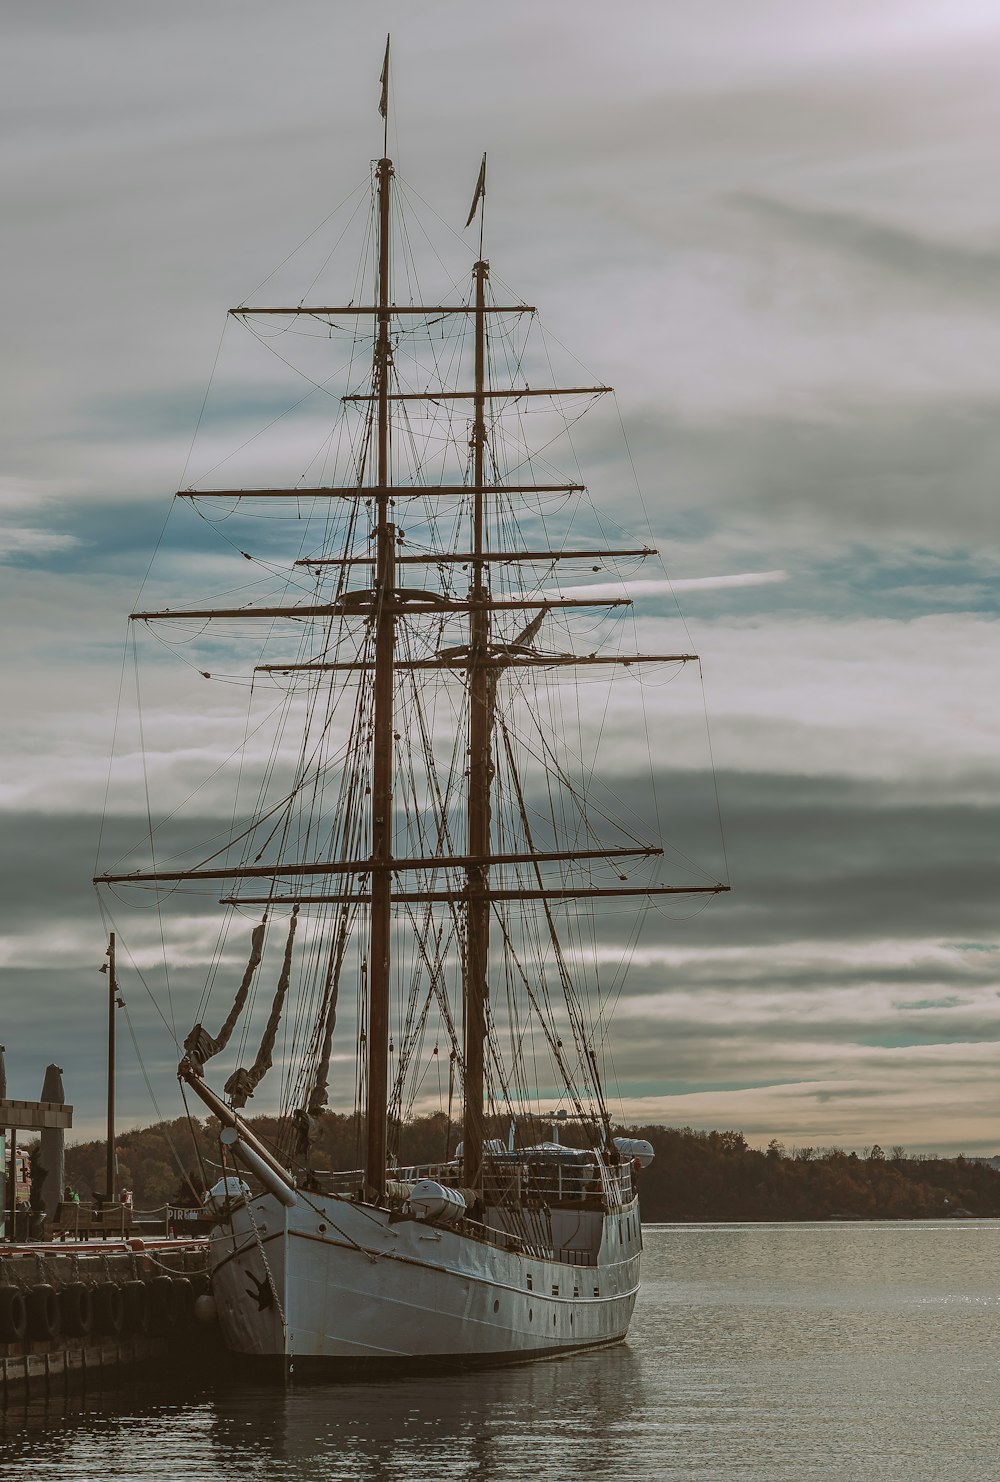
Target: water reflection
758,1354
499,1423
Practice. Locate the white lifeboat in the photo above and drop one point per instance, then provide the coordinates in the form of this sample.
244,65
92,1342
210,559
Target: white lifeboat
637,1148
430,1200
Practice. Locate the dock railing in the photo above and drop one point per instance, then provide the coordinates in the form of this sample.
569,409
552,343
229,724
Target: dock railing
80,1221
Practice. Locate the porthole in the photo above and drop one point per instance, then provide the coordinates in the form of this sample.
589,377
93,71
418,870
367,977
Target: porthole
496,1305
322,1229
553,1319
530,1314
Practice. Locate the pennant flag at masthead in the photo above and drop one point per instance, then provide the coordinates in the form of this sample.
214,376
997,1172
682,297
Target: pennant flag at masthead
480,192
383,102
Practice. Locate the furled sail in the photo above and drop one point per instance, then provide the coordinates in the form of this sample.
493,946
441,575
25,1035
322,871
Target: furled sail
242,1083
200,1045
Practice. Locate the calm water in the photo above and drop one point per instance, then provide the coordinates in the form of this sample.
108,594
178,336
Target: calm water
848,1352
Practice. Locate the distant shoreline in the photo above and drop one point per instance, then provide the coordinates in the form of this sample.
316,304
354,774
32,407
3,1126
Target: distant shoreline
930,1219
695,1177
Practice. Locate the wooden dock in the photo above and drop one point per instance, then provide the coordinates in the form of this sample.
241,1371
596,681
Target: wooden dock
58,1366
71,1312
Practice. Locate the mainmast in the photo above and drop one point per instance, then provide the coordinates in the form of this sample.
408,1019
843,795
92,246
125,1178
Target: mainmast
482,690
111,1179
385,642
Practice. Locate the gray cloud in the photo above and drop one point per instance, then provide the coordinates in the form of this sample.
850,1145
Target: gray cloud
863,487
937,266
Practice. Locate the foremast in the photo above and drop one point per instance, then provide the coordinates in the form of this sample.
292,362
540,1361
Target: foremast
379,966
482,690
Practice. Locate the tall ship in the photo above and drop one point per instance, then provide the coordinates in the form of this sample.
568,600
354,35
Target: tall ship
421,855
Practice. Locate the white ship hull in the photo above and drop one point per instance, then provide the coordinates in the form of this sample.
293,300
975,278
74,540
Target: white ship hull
340,1283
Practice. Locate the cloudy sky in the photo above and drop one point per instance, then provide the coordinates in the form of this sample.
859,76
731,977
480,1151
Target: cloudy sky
773,229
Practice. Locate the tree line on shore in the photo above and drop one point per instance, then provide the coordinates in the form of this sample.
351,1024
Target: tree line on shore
695,1175
718,1176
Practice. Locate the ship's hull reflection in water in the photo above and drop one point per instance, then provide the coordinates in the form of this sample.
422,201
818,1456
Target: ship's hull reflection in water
471,1424
484,1424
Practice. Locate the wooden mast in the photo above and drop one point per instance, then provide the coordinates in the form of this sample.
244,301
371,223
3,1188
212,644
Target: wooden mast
385,640
482,690
112,1003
